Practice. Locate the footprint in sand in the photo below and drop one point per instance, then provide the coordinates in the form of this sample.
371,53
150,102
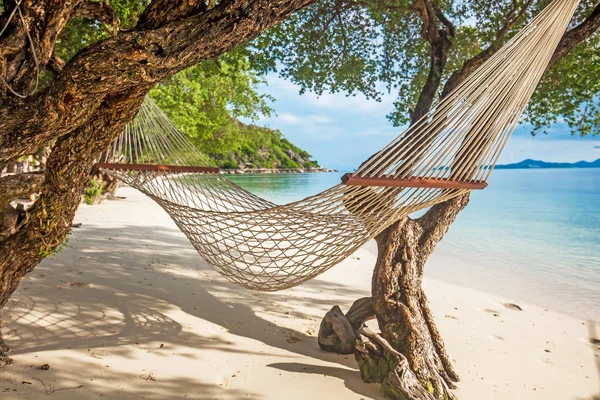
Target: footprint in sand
513,306
77,284
493,312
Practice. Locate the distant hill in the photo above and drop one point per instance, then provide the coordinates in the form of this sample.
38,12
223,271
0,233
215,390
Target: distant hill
263,148
527,164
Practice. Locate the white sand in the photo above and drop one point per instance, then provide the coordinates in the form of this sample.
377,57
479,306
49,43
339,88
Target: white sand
130,311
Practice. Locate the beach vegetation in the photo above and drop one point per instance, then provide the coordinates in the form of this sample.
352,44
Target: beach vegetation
208,102
93,189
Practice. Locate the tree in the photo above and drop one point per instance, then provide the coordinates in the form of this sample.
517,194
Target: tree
205,101
421,50
85,103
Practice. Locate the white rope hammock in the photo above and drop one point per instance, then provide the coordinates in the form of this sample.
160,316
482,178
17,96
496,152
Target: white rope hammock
264,246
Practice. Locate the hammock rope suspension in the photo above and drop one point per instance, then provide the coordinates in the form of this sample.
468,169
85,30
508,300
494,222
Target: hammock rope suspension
265,246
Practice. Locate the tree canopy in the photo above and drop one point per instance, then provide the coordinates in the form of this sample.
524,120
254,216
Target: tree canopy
373,46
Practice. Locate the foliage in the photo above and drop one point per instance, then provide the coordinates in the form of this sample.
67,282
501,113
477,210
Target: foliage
80,33
205,100
374,47
205,103
46,252
263,148
93,189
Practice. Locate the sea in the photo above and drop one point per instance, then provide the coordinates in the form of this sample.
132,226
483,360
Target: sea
532,235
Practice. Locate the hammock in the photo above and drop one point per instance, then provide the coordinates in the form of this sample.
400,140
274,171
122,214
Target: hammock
264,246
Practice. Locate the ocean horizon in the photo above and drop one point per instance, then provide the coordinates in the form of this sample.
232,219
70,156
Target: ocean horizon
533,235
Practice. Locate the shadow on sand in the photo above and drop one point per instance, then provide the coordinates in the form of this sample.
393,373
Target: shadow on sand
105,300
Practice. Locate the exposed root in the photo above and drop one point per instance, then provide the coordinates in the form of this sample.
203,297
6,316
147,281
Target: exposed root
450,376
379,362
335,333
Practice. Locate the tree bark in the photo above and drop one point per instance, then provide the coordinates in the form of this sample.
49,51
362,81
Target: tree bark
400,304
19,186
379,362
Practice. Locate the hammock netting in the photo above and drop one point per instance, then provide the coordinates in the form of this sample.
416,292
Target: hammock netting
265,246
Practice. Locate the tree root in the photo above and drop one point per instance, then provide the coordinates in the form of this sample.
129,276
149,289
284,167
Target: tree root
380,363
450,374
335,333
4,349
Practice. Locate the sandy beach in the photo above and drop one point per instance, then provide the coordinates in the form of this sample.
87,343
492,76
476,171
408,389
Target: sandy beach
130,311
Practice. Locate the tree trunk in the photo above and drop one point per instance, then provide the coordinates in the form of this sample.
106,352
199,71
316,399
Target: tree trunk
48,222
403,313
399,302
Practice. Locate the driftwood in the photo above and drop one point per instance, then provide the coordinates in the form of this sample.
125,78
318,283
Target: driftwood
337,332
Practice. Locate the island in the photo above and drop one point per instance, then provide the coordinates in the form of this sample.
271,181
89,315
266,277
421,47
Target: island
529,164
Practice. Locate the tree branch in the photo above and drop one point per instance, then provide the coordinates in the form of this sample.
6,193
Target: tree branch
511,18
436,221
577,35
55,64
99,11
43,20
136,58
441,215
155,16
438,31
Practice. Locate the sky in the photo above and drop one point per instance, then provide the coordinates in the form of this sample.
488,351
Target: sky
342,131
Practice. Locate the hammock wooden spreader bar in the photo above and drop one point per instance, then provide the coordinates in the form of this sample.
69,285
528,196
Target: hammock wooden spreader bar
415,182
153,167
265,246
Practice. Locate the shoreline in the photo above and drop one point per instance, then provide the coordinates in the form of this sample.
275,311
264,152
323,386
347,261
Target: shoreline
448,266
247,171
129,310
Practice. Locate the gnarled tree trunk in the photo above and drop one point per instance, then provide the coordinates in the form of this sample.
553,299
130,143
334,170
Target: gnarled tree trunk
400,304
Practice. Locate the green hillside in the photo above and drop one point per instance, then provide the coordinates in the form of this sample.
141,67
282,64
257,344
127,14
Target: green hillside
261,147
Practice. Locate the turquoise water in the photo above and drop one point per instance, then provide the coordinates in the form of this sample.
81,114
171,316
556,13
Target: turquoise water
532,235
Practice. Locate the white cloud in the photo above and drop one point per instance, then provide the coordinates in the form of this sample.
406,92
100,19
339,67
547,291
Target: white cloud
274,81
319,119
286,118
350,104
340,101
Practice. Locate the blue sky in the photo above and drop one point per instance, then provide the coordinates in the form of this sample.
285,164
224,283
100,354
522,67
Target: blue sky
342,131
